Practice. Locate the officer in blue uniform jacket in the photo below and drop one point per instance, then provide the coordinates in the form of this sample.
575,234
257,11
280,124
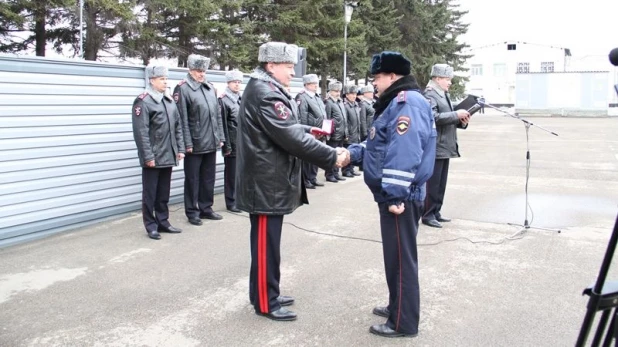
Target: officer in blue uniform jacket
398,158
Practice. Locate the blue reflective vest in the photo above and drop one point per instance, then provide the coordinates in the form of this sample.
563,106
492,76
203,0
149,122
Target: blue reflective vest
399,153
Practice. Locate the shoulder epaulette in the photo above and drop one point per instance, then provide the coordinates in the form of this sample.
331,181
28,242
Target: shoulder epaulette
428,88
222,95
142,96
401,97
182,82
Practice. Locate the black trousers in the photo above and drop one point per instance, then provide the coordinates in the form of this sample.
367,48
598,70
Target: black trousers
333,172
310,172
155,197
229,179
200,170
401,265
436,187
265,259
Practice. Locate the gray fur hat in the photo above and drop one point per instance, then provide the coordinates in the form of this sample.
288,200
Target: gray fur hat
233,75
311,78
154,71
278,52
198,62
335,85
351,89
442,70
367,89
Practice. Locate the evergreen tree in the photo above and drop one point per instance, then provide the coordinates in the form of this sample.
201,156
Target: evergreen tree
430,32
142,36
378,18
189,24
24,24
318,26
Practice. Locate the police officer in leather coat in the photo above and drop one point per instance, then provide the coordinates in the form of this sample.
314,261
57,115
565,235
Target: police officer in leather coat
312,111
269,185
158,137
335,111
203,134
229,102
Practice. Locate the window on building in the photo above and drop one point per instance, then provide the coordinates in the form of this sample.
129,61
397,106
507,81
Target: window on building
476,70
523,67
499,70
511,47
547,66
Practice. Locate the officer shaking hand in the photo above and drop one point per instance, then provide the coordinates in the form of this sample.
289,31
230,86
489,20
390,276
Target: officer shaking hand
398,158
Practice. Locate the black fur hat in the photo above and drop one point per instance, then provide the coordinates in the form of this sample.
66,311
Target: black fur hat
390,62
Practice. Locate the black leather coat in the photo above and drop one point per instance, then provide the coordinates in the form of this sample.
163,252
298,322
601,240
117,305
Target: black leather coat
271,144
199,111
157,131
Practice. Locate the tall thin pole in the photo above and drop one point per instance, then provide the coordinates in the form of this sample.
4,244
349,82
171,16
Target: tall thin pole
81,29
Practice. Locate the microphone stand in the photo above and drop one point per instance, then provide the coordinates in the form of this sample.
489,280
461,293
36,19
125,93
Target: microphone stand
526,225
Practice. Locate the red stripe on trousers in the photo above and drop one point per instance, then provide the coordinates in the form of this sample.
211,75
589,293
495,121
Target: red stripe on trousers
262,265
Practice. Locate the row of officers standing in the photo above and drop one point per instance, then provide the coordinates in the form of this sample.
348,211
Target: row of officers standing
196,121
192,124
403,140
352,116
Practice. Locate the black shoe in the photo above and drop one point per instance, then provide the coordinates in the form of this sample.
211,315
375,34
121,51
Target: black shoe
234,209
332,180
348,174
211,215
443,220
195,221
381,311
170,229
282,314
356,174
383,330
339,178
285,300
432,223
153,234
317,184
309,186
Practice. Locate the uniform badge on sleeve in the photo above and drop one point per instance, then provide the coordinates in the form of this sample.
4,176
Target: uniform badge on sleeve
372,133
403,124
176,97
137,110
281,111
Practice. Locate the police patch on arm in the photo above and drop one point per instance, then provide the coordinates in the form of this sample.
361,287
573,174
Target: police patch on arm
403,124
281,110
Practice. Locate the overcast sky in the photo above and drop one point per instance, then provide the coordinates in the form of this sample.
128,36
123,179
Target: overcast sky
586,27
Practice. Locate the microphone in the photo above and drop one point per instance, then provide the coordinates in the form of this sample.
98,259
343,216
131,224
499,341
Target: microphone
613,57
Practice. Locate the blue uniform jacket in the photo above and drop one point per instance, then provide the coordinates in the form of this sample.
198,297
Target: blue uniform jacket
399,153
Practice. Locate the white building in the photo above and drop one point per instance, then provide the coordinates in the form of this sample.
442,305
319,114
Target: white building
492,68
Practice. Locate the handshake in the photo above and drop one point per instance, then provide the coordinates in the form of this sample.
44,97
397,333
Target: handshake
343,157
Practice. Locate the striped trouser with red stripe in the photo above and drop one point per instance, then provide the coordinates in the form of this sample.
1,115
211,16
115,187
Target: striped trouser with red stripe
401,265
265,259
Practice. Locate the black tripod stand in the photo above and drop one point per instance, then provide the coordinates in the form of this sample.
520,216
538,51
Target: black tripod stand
527,224
604,298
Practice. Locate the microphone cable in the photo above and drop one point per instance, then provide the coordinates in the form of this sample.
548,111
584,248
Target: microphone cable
501,241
